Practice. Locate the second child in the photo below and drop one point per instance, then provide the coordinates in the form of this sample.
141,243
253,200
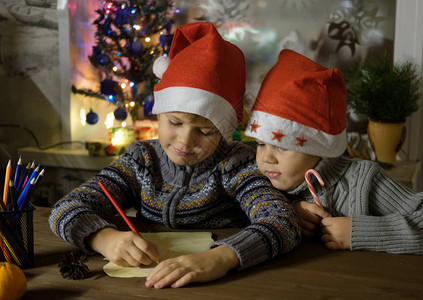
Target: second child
299,122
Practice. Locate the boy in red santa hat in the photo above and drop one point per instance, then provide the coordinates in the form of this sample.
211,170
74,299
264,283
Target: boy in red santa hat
299,122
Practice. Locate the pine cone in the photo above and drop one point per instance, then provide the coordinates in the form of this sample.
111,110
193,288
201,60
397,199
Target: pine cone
72,265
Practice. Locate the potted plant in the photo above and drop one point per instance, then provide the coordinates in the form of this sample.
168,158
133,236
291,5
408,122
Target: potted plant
386,94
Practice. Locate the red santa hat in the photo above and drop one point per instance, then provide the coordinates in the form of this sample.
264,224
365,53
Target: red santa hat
203,75
301,106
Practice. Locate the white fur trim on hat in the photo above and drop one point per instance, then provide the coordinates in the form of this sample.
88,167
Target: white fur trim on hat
199,102
294,136
160,66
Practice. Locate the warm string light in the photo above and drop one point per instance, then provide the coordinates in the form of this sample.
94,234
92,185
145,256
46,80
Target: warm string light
83,115
114,16
109,8
110,118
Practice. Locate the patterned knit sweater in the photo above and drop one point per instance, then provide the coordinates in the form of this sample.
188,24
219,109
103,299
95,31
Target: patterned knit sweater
385,215
224,190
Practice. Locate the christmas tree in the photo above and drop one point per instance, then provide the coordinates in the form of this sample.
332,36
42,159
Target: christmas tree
130,35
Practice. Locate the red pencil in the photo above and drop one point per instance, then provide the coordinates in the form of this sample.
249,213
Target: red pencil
118,208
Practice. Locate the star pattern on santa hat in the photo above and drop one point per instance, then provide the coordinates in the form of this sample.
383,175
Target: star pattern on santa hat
254,126
277,135
300,141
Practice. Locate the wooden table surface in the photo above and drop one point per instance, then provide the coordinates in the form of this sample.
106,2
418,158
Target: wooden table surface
309,272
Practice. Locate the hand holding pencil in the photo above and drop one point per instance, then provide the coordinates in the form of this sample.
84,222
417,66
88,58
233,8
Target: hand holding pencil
127,249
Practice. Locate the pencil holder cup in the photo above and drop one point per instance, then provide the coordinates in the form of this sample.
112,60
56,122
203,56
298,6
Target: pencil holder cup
17,237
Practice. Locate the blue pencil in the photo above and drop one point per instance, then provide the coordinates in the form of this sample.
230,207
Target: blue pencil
31,177
40,176
24,197
25,172
26,179
18,171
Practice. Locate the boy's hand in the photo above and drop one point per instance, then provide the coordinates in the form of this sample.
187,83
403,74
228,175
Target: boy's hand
124,248
336,232
197,267
309,216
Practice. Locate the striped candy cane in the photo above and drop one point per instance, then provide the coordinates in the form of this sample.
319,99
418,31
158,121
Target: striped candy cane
310,186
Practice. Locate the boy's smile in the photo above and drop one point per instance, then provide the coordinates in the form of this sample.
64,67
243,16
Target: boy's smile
272,174
284,168
181,153
187,138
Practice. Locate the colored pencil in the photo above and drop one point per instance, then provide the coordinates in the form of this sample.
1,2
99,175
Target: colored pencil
28,175
40,176
31,176
21,180
4,250
15,246
18,171
2,207
119,209
24,197
10,248
6,183
13,195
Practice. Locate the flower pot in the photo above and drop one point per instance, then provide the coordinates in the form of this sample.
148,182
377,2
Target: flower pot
386,139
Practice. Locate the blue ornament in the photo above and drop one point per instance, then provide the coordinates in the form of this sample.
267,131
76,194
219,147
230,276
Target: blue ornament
136,48
167,26
109,87
120,114
148,106
162,40
122,15
92,117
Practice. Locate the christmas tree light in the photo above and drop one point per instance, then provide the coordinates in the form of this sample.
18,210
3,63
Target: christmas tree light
130,35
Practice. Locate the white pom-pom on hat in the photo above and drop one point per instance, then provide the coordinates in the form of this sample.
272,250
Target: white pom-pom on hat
160,66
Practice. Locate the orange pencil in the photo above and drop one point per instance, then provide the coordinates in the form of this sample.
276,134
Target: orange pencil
6,182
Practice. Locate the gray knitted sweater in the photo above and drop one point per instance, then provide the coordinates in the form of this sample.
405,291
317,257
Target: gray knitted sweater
385,215
224,190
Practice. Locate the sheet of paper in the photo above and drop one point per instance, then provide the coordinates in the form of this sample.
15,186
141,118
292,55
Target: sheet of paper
170,244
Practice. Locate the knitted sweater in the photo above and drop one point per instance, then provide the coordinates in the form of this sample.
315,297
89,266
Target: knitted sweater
385,215
224,190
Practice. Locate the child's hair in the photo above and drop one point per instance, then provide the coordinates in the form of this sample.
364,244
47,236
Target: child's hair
203,75
301,106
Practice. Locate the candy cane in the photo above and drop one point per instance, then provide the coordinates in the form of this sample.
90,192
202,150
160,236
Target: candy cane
310,186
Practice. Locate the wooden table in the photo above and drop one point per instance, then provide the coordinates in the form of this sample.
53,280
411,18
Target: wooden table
309,272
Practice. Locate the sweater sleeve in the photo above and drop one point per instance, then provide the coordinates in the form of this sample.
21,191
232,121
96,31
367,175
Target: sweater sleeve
86,208
388,216
274,228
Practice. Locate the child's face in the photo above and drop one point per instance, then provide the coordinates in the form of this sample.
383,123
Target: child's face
186,138
284,168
